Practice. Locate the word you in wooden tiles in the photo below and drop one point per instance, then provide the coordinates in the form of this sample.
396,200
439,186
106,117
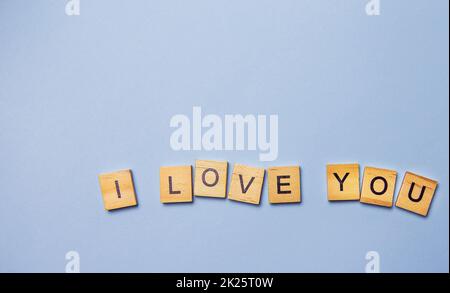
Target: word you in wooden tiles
343,184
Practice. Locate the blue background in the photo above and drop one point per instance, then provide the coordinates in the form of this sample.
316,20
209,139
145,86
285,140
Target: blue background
95,93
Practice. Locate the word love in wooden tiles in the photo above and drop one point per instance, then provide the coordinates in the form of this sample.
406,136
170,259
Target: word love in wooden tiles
210,180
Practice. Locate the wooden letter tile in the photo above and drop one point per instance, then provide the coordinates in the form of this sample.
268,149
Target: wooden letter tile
175,184
343,182
416,193
284,184
378,186
210,178
246,184
117,189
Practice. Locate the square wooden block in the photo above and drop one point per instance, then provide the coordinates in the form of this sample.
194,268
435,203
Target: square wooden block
246,184
416,193
210,178
378,186
284,184
343,182
175,184
117,189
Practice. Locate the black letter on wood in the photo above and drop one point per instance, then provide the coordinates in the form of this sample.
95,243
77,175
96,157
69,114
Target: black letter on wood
341,181
244,189
215,180
411,191
171,191
279,184
372,183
